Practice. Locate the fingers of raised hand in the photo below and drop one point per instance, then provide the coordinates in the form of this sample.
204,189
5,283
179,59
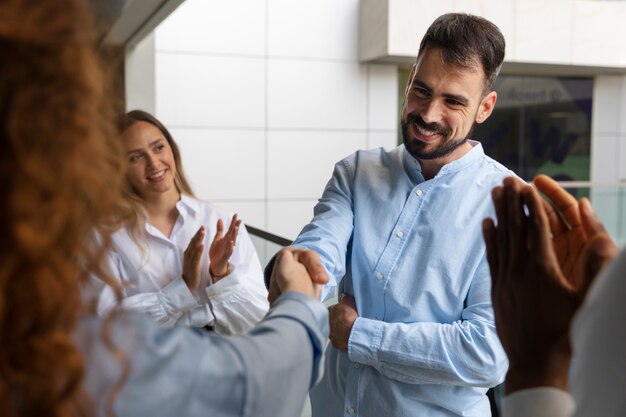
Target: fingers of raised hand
489,235
235,222
516,218
560,206
539,234
196,243
219,229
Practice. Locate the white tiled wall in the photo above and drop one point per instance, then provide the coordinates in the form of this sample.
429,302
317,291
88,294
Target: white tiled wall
210,91
264,97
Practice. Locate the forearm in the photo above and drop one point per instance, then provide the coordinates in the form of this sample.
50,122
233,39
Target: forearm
166,306
461,353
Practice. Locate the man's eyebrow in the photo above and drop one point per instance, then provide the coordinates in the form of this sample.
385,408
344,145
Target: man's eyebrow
461,99
421,84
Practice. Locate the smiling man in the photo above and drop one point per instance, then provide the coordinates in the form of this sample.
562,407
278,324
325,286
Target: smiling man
399,232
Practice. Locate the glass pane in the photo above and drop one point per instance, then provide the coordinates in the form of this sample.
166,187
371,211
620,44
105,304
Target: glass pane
541,125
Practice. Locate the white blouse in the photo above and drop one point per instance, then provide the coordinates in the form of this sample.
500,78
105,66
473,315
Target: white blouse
150,273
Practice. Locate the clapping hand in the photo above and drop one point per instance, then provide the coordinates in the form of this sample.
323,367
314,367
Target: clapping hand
543,256
222,248
220,252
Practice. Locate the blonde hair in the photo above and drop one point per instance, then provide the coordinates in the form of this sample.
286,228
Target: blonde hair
62,169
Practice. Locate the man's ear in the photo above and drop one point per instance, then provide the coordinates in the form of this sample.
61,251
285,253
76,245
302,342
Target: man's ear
486,107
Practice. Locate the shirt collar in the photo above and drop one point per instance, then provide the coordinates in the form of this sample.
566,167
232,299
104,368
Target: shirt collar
414,169
187,205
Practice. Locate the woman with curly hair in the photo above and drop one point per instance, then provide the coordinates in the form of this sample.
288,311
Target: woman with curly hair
62,169
174,260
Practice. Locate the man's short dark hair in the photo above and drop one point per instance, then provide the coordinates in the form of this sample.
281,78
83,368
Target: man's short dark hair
465,40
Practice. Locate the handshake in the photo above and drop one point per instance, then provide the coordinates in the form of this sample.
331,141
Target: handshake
298,270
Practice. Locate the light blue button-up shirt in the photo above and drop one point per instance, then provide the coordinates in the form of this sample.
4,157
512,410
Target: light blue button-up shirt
411,252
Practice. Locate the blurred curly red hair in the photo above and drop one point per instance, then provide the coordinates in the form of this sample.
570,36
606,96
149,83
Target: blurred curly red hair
61,171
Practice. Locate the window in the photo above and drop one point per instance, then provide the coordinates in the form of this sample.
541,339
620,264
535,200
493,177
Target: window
541,125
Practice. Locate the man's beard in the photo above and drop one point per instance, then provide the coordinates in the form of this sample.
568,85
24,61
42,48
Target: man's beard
417,148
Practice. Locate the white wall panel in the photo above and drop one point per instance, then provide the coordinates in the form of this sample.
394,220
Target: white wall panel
323,29
543,31
605,153
599,33
316,94
301,162
224,164
217,91
251,212
607,104
382,97
387,140
287,218
223,27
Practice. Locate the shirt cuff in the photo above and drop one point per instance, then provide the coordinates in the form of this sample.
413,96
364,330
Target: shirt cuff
177,296
364,340
225,285
539,402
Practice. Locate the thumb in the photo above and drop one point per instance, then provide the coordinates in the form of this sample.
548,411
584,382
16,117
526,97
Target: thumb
347,299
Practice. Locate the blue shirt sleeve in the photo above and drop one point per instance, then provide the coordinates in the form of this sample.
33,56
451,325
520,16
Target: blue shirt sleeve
191,372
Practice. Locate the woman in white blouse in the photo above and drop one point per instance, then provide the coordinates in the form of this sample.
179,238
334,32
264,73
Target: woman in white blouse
177,260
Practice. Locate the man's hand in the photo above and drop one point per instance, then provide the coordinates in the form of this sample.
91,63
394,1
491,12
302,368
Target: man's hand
541,264
297,270
342,317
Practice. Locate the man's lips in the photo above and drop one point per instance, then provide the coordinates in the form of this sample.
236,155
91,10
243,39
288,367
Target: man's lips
425,135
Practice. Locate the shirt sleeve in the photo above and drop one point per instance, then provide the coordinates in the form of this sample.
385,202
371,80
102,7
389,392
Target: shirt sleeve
239,301
166,306
182,371
466,352
538,402
599,345
330,231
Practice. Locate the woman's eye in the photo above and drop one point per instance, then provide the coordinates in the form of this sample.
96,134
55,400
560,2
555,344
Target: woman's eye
134,158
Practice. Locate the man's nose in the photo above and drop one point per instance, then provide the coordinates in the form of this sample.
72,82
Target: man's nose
432,112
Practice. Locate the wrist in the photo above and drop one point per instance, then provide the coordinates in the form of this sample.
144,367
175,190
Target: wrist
222,274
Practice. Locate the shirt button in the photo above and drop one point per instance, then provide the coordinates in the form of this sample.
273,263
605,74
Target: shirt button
380,276
350,410
357,365
400,234
418,192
